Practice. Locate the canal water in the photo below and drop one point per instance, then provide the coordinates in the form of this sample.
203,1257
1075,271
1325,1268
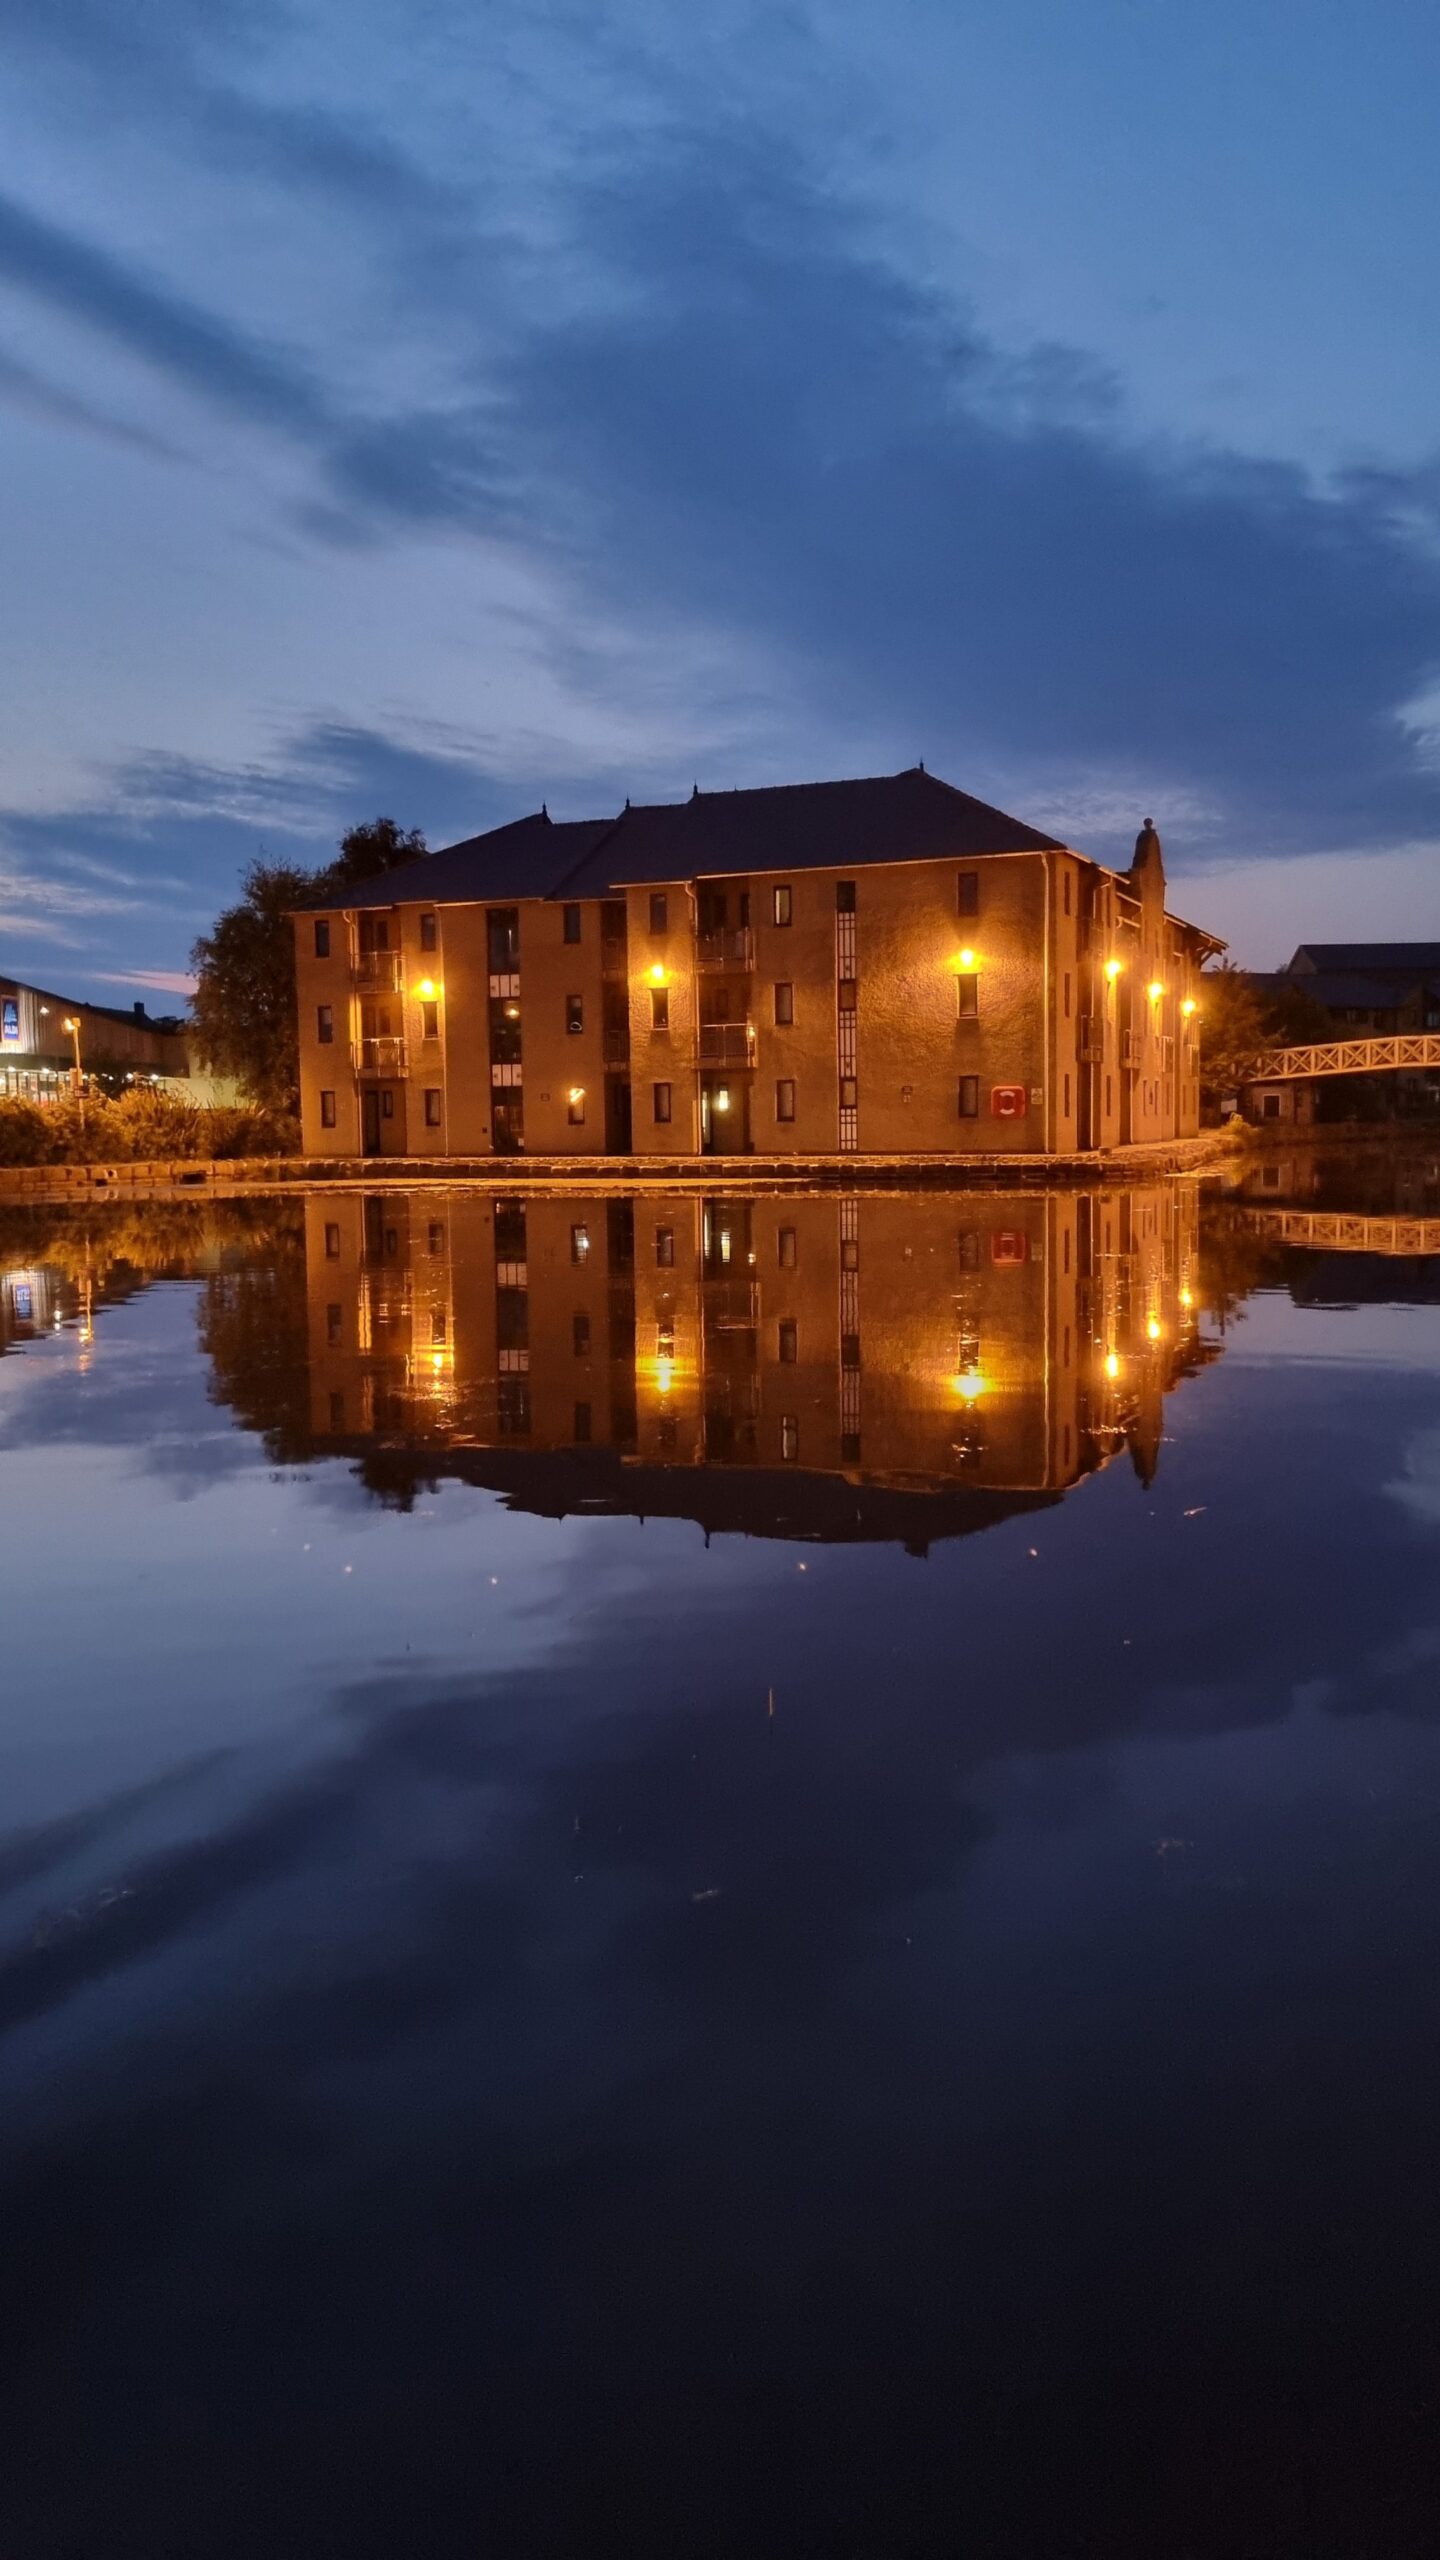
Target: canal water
712,1876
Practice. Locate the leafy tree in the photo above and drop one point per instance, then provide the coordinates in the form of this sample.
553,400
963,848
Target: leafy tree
1238,1017
243,1014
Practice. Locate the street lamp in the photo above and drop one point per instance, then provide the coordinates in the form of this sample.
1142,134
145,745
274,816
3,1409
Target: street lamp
71,1023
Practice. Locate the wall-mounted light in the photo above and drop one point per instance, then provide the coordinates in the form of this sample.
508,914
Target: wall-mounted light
967,959
657,973
1113,969
1189,1006
512,1013
577,1093
722,1098
1155,990
427,990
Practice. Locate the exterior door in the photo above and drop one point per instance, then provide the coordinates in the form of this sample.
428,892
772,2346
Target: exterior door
370,1120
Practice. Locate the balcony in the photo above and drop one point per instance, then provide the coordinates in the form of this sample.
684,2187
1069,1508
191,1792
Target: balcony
726,1044
730,1306
1132,1048
616,1045
377,972
1091,1046
726,948
382,1056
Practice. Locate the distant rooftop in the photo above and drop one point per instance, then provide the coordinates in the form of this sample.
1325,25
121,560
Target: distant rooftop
1415,960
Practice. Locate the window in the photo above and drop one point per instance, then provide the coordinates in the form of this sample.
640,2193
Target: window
849,1253
333,1322
787,1342
789,1435
332,1243
849,1093
574,1013
785,1098
849,1448
969,1097
849,1350
784,1001
665,1338
1066,1105
575,1106
582,1422
580,1334
660,1104
967,893
324,1024
967,995
387,1102
1067,995
845,995
432,1106
844,897
665,1247
429,933
1065,884
785,1249
782,905
437,1328
337,1409
659,911
322,937
967,1245
659,1008
436,1236
374,933
1109,1095
579,1244
327,1110
572,923
429,1019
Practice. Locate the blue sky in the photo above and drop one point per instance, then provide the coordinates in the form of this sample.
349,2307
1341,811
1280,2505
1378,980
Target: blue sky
433,409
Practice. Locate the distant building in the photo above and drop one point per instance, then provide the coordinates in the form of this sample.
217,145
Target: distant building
37,1053
1369,990
885,967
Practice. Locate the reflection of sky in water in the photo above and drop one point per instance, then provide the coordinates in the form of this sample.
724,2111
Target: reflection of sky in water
437,1995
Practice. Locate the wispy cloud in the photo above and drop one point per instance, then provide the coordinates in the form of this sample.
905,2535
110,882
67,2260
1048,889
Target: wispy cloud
169,982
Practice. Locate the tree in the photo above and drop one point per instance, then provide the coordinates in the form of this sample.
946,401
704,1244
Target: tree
1237,1017
243,1014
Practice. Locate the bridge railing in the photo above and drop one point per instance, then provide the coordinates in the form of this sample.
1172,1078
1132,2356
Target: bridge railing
1343,1058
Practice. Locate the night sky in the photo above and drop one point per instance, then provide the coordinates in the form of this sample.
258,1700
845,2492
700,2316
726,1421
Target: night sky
432,409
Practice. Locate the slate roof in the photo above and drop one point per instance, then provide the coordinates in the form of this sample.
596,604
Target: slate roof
802,826
1415,960
524,859
1339,988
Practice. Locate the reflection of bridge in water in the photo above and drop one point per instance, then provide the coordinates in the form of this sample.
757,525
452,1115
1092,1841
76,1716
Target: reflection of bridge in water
1342,1058
1334,1231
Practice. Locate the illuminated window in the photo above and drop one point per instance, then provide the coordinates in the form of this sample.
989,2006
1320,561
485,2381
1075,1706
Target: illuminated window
844,897
327,1110
660,1103
429,1020
429,933
579,1244
787,1340
849,1093
574,1013
782,904
665,1247
789,1435
659,1008
967,893
432,1106
332,1243
969,1097
575,1107
580,1333
659,911
967,994
785,1249
849,1253
324,1024
572,924
784,1001
785,1098
322,937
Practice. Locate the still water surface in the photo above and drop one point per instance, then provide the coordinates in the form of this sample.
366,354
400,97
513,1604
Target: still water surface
714,1877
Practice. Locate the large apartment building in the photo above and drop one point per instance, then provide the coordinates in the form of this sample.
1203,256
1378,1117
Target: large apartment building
885,967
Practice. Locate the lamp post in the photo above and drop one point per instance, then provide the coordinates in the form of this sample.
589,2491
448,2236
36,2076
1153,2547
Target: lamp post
71,1023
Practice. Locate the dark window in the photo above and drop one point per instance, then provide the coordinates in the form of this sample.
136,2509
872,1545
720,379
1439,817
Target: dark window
784,1000
1066,885
849,1350
788,1340
374,933
322,938
660,1102
429,1019
572,923
782,904
1067,995
849,1253
580,1334
849,1448
659,1008
337,1409
659,911
967,893
387,1102
324,1024
575,1106
579,1244
333,1323
785,1098
327,1110
1109,1096
436,1236
574,1013
1066,1089
502,939
582,1422
969,1097
967,994
785,1248
429,933
968,1247
845,995
432,1106
332,1244
665,1247
666,1431
789,1435
844,897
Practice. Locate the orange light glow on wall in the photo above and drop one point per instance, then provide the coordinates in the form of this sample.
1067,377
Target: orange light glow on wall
1155,990
657,974
967,959
1113,969
427,990
1189,1006
968,1385
1112,1364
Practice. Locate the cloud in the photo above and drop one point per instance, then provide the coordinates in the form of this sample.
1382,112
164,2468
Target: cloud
167,982
23,389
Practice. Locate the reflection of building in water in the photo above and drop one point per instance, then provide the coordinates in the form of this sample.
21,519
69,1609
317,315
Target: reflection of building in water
838,1356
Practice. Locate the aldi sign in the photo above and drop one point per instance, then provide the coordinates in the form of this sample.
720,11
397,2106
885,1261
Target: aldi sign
10,1021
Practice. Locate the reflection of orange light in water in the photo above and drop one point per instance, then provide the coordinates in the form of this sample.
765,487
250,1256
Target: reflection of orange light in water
1153,1329
968,1385
1187,1297
664,1376
1112,1364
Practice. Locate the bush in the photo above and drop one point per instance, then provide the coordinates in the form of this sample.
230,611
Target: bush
24,1132
146,1125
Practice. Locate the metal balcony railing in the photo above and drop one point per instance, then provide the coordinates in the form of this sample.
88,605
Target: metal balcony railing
616,1046
1131,1048
379,1057
730,1306
377,971
1092,1040
728,947
726,1044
